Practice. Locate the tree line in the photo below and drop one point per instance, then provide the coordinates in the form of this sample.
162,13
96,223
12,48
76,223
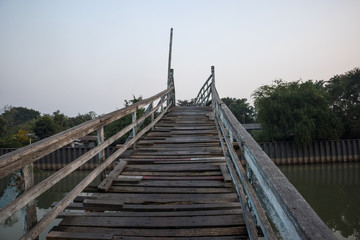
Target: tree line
300,111
20,126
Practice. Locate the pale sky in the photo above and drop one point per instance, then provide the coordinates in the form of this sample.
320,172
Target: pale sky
81,56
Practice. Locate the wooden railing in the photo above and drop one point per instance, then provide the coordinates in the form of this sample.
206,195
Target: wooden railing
264,192
21,160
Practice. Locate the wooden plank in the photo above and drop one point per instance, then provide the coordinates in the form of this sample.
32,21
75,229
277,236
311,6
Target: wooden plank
181,207
167,178
138,198
60,231
123,178
180,183
155,222
177,174
163,207
180,238
109,204
174,167
106,183
225,172
136,189
235,211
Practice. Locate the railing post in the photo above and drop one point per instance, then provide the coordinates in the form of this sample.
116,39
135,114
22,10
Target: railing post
152,115
29,211
213,75
134,130
100,139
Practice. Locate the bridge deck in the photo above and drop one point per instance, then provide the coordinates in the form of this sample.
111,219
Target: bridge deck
175,185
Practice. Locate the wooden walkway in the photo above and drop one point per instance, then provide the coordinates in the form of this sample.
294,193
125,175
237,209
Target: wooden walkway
175,185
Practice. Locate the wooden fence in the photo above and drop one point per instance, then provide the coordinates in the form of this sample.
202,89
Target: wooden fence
281,153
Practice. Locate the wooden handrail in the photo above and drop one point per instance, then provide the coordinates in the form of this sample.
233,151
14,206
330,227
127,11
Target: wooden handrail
60,206
20,158
270,191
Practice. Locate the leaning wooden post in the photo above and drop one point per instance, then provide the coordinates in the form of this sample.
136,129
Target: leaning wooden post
100,139
152,114
170,79
134,130
171,84
29,211
212,88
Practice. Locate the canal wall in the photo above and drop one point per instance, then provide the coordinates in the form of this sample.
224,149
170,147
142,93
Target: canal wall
287,153
282,153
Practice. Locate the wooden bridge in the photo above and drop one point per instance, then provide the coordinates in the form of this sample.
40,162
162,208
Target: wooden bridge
177,177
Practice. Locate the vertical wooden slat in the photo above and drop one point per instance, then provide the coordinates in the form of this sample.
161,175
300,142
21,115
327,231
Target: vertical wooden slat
30,216
100,139
134,130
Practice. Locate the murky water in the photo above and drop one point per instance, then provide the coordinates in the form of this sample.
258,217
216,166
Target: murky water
13,228
333,191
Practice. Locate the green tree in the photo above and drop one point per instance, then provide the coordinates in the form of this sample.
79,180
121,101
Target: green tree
344,91
3,127
18,115
80,118
297,111
186,102
60,120
240,108
45,127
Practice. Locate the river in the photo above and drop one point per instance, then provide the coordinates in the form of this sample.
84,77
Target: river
332,190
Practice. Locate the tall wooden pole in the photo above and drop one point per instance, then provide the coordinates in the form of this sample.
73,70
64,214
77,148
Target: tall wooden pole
170,50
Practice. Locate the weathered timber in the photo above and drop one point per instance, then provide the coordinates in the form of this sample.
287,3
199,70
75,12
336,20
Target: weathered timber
154,222
165,186
82,185
87,233
210,212
106,183
11,162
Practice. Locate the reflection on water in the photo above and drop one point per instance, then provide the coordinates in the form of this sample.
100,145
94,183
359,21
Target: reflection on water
333,191
12,227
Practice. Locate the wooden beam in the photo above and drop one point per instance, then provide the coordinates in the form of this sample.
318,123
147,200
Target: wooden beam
18,159
106,183
51,215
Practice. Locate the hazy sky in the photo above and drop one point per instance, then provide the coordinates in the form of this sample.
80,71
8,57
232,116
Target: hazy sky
81,56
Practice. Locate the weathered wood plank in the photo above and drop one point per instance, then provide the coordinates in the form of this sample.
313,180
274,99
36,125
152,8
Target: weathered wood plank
136,189
181,232
106,183
225,172
109,204
235,211
192,167
155,222
175,174
183,183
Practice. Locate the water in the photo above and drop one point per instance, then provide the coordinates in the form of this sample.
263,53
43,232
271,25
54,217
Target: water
332,190
13,227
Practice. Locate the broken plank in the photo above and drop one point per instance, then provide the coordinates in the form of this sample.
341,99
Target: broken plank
106,183
225,172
